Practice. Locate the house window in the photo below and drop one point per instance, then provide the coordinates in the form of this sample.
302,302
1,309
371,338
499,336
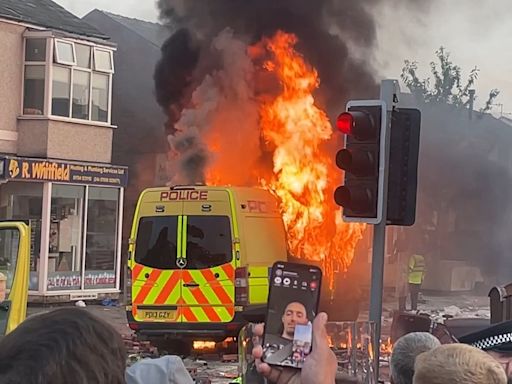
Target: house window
83,55
100,97
64,52
81,85
33,90
61,90
35,50
103,60
80,75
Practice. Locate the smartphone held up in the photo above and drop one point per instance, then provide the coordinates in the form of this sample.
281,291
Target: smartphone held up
292,305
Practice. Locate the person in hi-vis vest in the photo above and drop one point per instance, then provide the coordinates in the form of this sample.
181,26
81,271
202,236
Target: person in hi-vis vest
415,277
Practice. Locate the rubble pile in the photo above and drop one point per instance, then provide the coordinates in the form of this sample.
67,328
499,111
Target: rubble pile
211,371
454,311
138,350
206,369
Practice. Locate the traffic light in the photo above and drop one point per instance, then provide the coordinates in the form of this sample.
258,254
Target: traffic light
364,126
403,166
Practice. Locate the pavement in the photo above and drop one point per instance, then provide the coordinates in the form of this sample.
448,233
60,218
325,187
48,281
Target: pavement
221,373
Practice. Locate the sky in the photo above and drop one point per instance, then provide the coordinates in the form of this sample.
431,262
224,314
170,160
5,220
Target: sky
475,32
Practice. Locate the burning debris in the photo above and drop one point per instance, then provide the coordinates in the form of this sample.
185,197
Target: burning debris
203,345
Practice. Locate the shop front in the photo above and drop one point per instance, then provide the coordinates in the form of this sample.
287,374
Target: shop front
75,213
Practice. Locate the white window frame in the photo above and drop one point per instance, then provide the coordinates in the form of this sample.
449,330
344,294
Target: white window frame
89,71
62,61
91,54
97,49
53,59
49,55
70,90
109,98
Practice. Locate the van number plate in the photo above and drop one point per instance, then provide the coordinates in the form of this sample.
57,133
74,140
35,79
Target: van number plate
157,315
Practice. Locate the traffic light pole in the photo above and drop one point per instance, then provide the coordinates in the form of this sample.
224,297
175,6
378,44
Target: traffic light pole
388,94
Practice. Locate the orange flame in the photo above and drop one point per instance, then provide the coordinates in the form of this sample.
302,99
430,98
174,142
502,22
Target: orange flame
303,177
386,347
297,128
199,345
370,351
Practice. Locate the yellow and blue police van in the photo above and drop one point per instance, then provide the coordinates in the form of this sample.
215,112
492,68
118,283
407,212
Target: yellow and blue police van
199,260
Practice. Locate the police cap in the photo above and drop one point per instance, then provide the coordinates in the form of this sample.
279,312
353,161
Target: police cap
497,337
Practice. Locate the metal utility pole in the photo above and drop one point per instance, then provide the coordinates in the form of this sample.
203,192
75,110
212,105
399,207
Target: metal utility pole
471,93
364,195
388,93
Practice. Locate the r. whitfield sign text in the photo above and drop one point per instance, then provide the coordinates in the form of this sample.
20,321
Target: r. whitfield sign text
18,168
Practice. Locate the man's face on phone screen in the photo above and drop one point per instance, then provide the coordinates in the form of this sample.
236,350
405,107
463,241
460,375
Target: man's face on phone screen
294,313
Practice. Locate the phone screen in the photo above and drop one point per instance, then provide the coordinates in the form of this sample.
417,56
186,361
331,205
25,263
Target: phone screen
292,306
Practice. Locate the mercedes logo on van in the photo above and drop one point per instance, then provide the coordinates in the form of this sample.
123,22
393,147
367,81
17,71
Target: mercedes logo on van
181,262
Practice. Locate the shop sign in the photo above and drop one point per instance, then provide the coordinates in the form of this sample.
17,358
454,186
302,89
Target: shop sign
20,168
100,279
59,281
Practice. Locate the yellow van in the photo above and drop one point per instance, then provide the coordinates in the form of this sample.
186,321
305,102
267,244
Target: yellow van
14,278
199,259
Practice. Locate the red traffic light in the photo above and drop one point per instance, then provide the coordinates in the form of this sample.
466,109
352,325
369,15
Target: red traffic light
345,123
357,124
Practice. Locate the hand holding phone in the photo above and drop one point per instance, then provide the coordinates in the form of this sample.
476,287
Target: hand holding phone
292,306
319,368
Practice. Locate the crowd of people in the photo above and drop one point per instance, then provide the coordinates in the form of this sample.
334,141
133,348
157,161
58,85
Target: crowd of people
419,358
70,345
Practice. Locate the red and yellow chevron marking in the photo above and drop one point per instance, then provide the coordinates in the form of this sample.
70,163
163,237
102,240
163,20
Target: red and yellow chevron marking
160,288
213,300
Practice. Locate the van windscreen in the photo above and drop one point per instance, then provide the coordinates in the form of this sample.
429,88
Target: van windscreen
209,241
155,245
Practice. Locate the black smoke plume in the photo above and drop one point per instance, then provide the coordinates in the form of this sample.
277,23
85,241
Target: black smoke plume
327,31
322,26
173,73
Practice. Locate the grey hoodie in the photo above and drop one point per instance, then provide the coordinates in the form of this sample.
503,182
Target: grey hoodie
164,370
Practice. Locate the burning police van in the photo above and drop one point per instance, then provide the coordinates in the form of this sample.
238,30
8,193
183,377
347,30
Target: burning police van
199,259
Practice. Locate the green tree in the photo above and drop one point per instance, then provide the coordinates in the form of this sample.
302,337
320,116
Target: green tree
446,85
